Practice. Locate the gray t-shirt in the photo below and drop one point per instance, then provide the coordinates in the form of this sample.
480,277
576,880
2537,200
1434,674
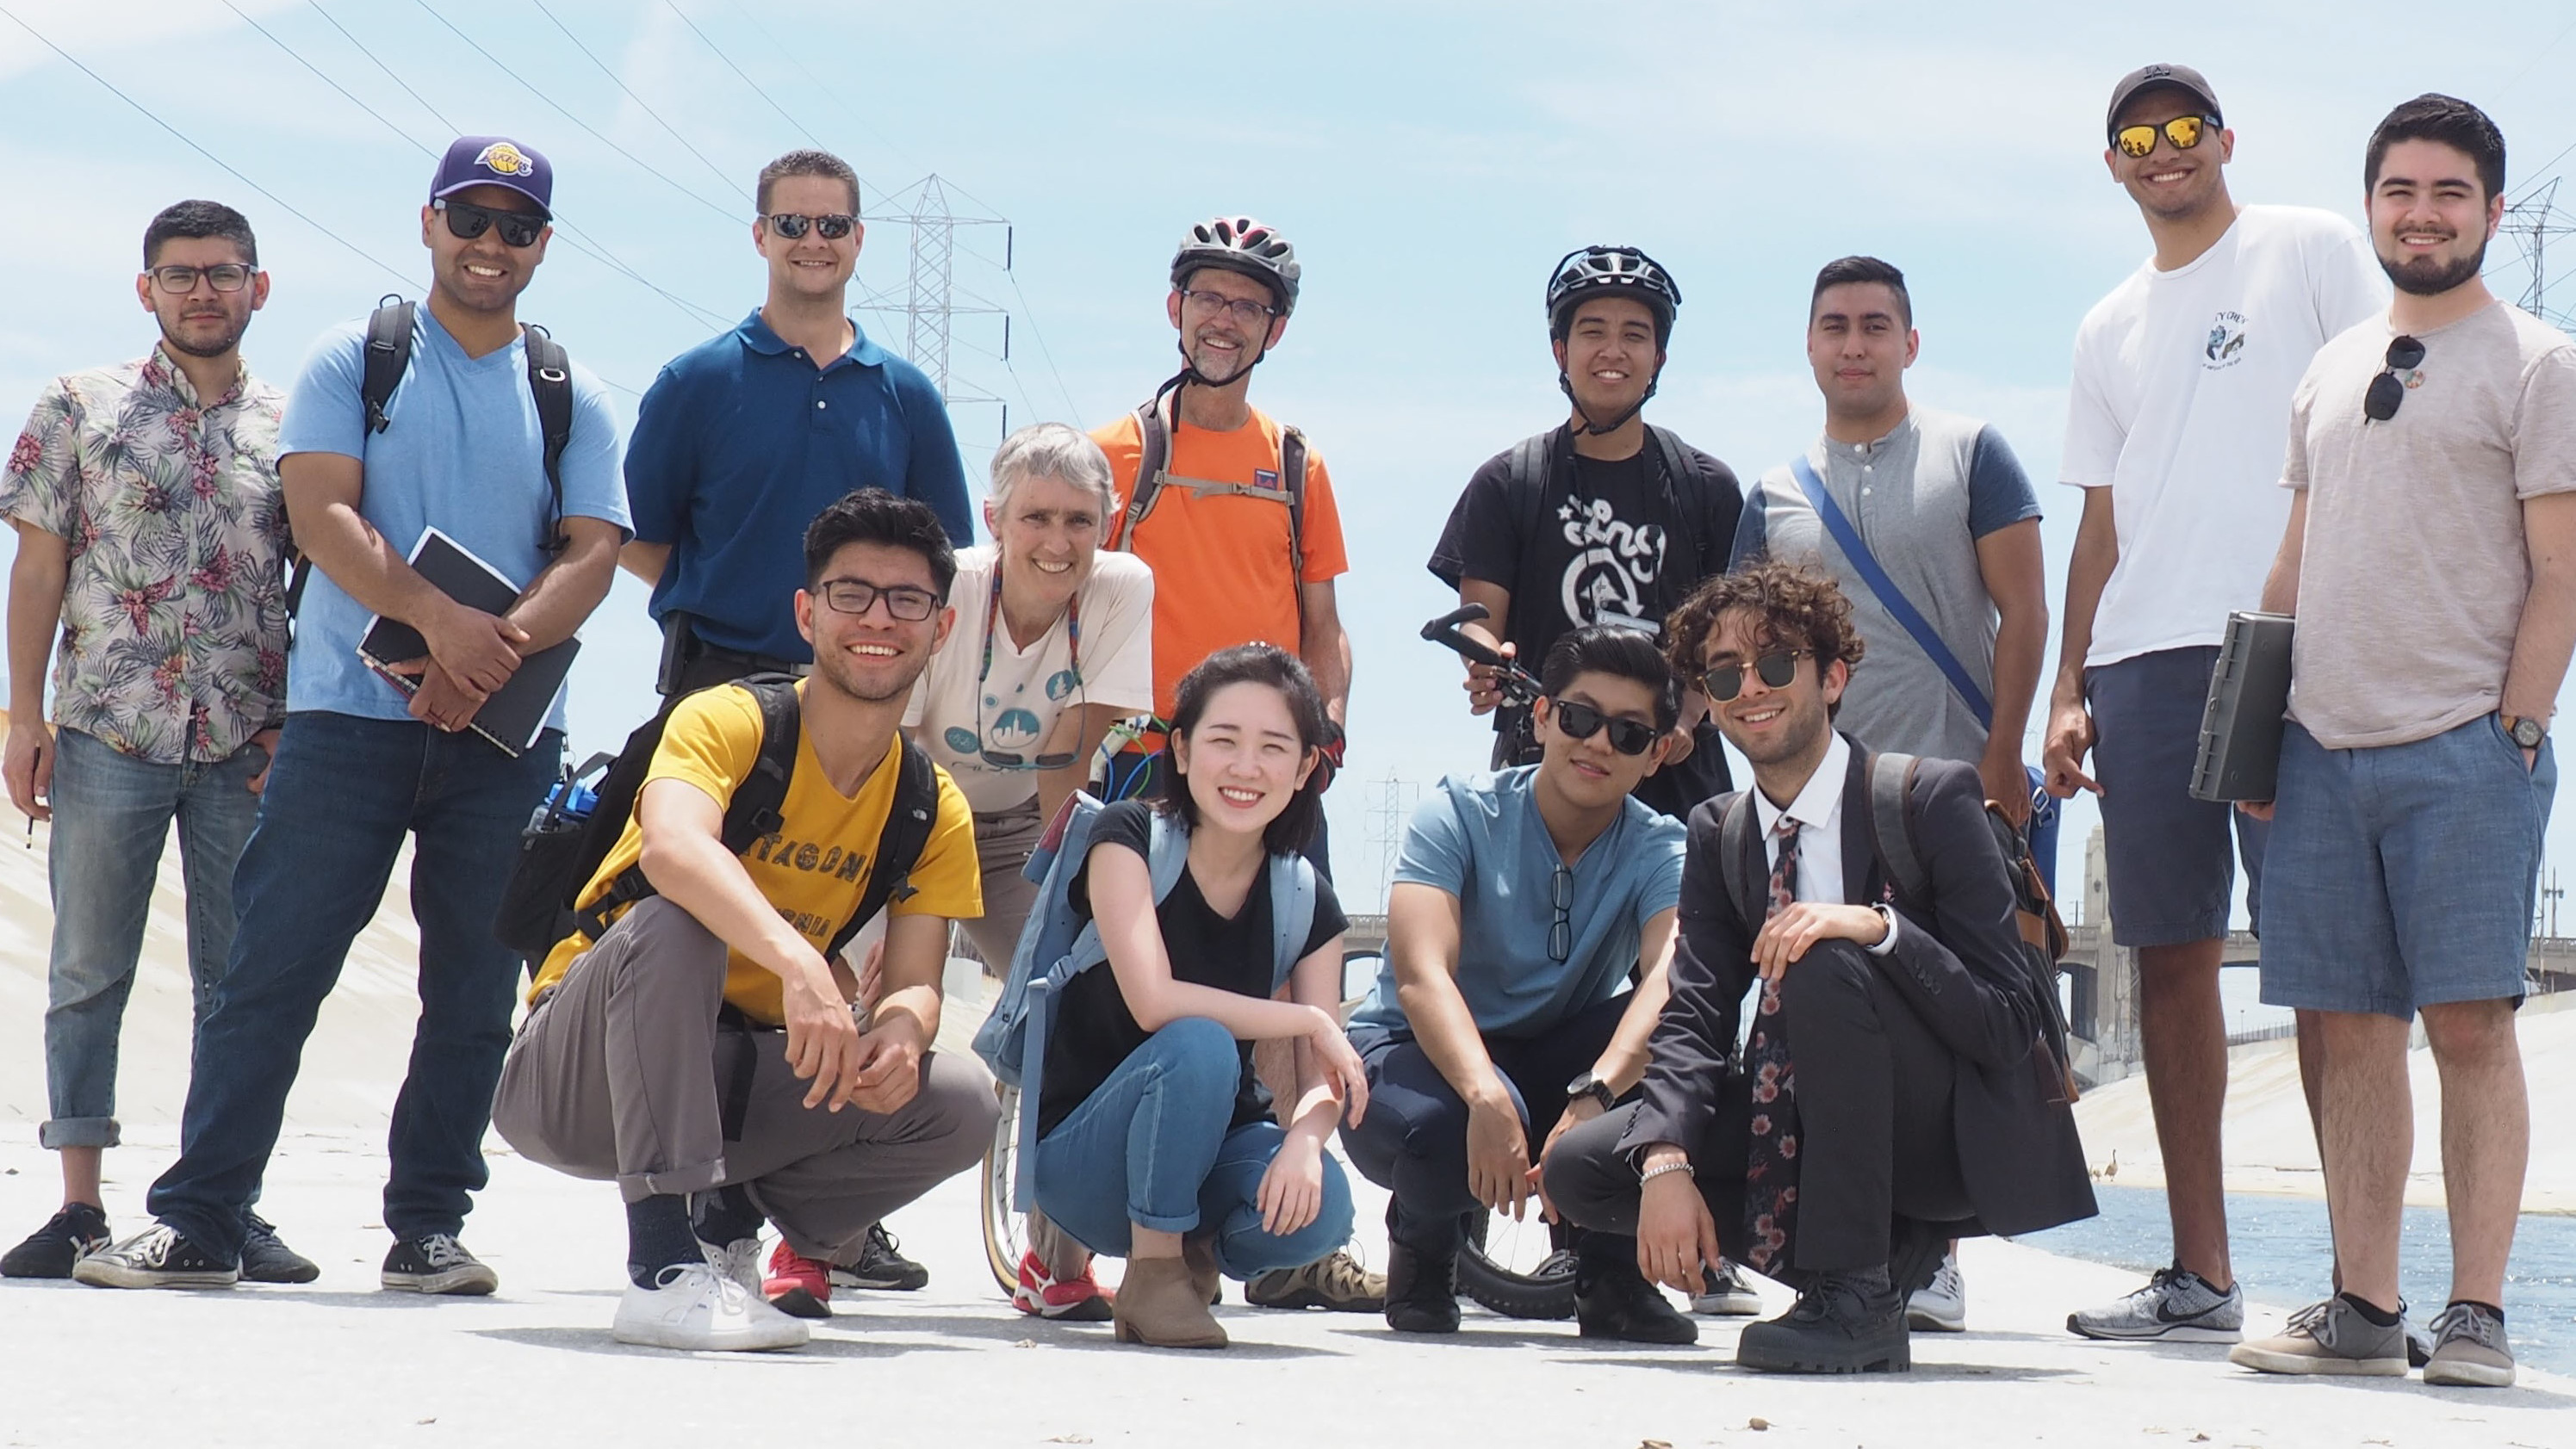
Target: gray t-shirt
1921,497
2413,570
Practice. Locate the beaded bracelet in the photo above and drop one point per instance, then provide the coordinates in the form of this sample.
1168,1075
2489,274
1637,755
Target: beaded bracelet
1651,1173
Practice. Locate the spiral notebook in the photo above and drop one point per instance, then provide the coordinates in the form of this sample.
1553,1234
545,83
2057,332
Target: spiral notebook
511,719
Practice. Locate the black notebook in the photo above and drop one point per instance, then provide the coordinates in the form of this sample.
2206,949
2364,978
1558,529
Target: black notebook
511,719
2249,697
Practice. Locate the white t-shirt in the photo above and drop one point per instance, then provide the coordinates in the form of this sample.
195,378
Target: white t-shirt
2181,405
1025,703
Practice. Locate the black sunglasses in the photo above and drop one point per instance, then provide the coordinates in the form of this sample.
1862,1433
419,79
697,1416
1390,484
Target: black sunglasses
466,221
1560,932
1726,681
791,225
2386,392
1581,721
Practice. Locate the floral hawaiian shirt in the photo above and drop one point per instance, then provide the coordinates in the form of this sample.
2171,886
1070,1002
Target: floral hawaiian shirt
174,637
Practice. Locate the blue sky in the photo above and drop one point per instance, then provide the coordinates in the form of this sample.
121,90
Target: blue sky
1430,161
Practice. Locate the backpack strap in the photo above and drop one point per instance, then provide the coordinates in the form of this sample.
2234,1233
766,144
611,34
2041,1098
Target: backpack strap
1292,915
1735,843
388,357
1154,455
1527,480
550,383
908,824
1891,792
1292,476
1686,486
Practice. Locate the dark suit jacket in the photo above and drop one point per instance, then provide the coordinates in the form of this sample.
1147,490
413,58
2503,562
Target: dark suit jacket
1958,962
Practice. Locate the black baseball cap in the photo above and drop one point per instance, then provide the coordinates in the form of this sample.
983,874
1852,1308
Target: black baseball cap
495,161
2162,77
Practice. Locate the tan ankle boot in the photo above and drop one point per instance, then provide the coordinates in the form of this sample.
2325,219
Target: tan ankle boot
1200,1254
1160,1306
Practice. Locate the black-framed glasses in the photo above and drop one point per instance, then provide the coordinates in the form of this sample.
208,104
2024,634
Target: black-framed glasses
1775,669
2183,131
792,224
1243,310
2388,390
856,596
1581,721
1560,934
466,221
179,281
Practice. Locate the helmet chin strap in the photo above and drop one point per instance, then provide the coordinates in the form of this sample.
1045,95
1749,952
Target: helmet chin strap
1190,373
1594,429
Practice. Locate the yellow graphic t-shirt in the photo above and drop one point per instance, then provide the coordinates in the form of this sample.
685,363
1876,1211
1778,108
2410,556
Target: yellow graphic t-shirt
815,867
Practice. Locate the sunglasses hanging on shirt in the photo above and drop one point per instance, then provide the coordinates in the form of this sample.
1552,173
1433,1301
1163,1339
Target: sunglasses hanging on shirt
2387,391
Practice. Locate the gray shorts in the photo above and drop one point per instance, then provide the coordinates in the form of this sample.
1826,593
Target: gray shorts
2172,867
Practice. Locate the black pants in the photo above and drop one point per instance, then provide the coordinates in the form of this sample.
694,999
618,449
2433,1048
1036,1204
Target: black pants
1877,1145
1414,1140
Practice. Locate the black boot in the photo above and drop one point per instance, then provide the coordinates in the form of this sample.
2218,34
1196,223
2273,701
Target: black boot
1421,1290
1842,1323
1613,1300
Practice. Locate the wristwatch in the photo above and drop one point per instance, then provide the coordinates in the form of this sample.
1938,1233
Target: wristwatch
2526,731
1591,1085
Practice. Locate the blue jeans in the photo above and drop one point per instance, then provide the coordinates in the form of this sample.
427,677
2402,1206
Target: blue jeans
112,812
343,794
1152,1147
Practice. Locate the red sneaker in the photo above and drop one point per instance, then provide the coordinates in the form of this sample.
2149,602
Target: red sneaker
797,1285
1078,1299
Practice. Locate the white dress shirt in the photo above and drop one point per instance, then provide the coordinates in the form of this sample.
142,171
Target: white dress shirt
1818,810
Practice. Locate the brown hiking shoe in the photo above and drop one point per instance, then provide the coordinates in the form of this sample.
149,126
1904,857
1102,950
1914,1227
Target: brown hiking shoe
1335,1282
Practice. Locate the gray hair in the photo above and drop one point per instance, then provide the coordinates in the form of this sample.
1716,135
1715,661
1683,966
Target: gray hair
1052,450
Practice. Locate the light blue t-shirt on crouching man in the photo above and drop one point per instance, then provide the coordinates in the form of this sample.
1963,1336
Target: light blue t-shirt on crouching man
1481,839
462,451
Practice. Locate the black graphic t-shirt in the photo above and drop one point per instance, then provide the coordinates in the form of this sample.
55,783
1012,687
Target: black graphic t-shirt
1607,546
1094,1031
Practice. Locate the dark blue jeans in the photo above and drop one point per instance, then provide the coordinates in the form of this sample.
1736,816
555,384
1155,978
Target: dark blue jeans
341,797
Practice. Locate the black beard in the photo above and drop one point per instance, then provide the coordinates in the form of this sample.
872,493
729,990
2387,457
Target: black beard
232,339
2425,277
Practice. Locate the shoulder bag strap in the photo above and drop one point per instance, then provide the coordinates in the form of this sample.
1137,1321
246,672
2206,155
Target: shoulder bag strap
1889,595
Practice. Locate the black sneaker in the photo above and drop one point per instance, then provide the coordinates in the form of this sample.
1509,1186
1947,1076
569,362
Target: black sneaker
1842,1323
265,1259
880,1267
1613,1300
157,1257
1421,1291
436,1263
79,1230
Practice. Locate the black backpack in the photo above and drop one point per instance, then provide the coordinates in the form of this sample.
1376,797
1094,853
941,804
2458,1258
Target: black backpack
560,852
388,357
1153,465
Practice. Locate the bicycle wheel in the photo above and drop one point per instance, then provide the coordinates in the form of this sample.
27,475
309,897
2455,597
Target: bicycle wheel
1517,1269
1006,1230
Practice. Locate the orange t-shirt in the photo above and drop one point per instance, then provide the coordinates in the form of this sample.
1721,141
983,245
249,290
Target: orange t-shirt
1222,574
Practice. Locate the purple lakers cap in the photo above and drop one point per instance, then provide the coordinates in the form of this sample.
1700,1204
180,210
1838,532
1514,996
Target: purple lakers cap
495,161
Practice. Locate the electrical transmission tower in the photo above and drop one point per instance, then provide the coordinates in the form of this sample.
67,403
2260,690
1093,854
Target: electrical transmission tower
2536,224
1390,809
931,300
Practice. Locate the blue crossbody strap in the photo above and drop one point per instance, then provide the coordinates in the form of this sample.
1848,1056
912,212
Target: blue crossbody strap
1889,595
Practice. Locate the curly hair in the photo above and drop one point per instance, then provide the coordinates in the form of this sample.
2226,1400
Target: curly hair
1795,605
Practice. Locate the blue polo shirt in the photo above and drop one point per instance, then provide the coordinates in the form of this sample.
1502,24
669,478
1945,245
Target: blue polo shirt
742,440
1482,840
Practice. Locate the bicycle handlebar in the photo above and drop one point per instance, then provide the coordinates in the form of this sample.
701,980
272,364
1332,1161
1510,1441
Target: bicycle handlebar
1518,685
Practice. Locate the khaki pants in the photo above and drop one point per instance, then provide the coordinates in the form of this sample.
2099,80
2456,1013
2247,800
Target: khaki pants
1003,840
617,1073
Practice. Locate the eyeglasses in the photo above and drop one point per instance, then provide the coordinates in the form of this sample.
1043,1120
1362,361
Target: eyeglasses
466,221
2386,390
1560,935
1243,310
1776,669
1581,721
222,276
2183,131
857,596
1006,759
791,225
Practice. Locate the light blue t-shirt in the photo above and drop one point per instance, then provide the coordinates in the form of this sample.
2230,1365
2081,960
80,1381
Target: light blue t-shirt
1480,839
462,450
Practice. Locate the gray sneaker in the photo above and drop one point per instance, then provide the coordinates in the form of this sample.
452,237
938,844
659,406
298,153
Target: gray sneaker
2327,1338
1940,1306
2176,1306
2469,1349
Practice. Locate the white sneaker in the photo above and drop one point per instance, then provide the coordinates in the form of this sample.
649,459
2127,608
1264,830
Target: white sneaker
1940,1306
738,1260
1724,1293
695,1307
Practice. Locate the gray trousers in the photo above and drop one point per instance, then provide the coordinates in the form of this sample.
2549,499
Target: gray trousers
615,1075
1003,840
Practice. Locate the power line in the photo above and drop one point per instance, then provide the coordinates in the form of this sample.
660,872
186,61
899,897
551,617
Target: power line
450,126
821,85
639,100
757,89
591,130
352,247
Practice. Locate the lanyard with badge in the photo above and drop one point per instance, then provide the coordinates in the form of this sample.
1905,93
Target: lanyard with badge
1002,759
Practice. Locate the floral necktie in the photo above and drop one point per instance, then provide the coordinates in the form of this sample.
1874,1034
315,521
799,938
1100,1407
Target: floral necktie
1771,1167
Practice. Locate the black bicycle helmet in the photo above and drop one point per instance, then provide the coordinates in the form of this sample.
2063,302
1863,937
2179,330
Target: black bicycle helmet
1620,271
1241,244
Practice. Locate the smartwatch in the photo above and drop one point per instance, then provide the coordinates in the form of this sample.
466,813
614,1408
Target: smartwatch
1591,1085
2525,731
